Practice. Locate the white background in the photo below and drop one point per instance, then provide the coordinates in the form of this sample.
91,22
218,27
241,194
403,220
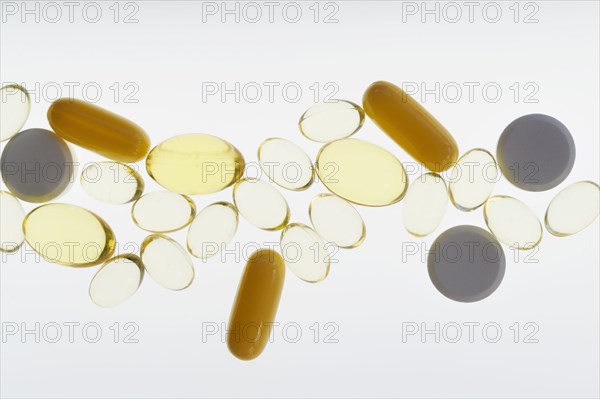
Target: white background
168,55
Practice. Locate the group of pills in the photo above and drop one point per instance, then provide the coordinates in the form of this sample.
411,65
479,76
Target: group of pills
535,153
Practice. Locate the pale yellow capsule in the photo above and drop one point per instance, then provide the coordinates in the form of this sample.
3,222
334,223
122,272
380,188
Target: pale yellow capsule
117,280
425,204
112,182
305,252
167,262
512,222
14,110
331,121
286,164
337,221
11,222
212,229
261,204
163,211
473,179
573,209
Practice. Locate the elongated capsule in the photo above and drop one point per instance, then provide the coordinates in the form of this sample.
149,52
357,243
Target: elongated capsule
256,304
410,125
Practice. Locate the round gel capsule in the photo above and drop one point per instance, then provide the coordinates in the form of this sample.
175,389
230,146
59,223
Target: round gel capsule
425,204
305,252
11,222
195,164
163,211
331,121
473,179
361,172
14,110
37,165
573,209
167,262
466,263
68,235
286,164
117,280
212,229
112,182
336,221
512,222
261,204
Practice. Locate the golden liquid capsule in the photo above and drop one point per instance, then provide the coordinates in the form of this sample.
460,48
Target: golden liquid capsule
68,235
473,179
11,222
212,229
116,281
573,209
286,164
261,204
512,222
195,164
98,130
326,122
255,305
414,129
15,105
425,204
305,252
167,262
112,182
163,212
361,172
337,221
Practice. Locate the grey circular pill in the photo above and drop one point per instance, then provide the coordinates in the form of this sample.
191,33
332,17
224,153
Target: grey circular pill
466,263
37,165
536,152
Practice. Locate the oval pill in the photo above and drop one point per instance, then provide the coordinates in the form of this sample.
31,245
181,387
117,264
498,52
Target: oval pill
573,209
112,182
305,252
255,306
512,222
261,204
361,172
473,179
163,211
167,262
116,281
331,121
15,105
286,164
410,125
425,204
212,229
336,221
68,235
11,222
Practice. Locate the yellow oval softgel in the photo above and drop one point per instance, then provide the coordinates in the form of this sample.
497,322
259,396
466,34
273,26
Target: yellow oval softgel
195,164
573,209
117,280
99,130
11,222
14,110
112,182
361,172
512,222
68,235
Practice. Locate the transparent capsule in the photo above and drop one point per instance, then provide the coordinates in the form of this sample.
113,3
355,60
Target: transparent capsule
512,222
117,280
331,121
361,172
336,221
112,182
425,204
68,235
163,211
286,164
195,164
15,105
167,262
573,209
212,229
11,223
305,252
261,204
473,179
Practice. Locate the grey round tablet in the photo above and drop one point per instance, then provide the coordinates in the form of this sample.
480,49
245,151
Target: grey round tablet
37,165
536,152
466,263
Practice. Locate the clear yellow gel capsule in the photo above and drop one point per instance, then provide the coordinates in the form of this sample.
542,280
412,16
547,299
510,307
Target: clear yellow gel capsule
112,182
512,222
14,110
163,211
68,235
286,164
361,172
305,252
212,229
573,209
167,262
195,164
331,121
336,221
425,204
11,222
117,280
473,179
261,204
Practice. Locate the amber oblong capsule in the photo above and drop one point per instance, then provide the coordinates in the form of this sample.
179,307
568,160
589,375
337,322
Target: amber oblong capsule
410,125
98,130
256,304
